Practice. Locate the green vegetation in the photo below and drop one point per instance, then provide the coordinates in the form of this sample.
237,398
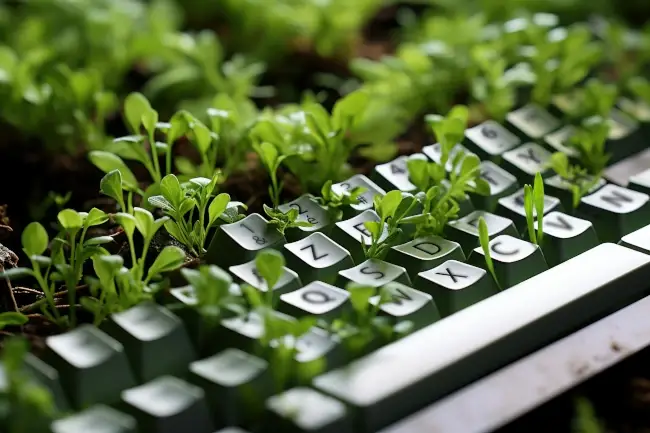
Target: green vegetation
158,115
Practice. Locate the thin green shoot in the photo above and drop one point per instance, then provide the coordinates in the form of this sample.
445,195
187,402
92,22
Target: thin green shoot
484,239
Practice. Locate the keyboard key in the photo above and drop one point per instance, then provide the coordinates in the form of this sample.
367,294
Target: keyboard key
434,153
248,273
514,260
533,121
638,240
559,141
245,332
489,139
501,184
48,377
408,304
640,182
352,232
375,273
465,230
92,366
395,175
308,211
424,253
512,207
615,211
625,137
526,161
148,332
96,419
305,410
317,352
565,237
317,299
239,242
401,378
456,285
556,186
317,257
235,384
168,405
365,199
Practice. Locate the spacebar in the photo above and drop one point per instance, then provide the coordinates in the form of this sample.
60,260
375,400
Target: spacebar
403,377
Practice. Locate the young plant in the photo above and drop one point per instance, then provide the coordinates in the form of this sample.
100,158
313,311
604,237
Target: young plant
589,140
315,143
595,98
211,291
576,177
333,202
280,336
117,288
191,208
70,250
284,220
585,419
27,406
12,318
392,209
534,206
362,328
271,160
484,239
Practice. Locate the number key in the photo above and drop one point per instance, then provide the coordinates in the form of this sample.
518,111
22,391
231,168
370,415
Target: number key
365,199
395,175
308,211
239,242
490,139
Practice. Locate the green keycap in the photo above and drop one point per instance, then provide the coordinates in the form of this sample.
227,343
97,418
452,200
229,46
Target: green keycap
97,419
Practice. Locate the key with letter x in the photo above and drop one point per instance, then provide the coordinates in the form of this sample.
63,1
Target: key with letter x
456,285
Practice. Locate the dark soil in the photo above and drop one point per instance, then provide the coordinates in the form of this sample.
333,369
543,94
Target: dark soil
28,173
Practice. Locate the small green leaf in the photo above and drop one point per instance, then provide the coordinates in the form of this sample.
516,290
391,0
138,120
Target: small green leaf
15,273
217,207
95,217
70,219
270,265
484,238
99,240
170,258
203,137
360,296
108,162
144,222
528,209
149,120
135,106
171,189
538,198
127,221
389,204
12,318
34,239
111,185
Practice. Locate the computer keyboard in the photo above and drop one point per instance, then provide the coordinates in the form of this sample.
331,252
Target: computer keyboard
157,367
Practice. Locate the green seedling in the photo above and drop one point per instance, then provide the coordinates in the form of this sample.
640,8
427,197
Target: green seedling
271,159
284,220
27,406
392,209
333,202
484,239
589,140
270,266
69,251
12,318
315,144
578,179
214,300
363,327
595,98
191,209
585,419
534,206
640,87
